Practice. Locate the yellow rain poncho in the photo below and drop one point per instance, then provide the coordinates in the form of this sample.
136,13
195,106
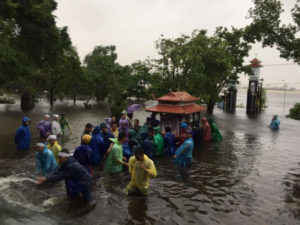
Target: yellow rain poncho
56,148
139,178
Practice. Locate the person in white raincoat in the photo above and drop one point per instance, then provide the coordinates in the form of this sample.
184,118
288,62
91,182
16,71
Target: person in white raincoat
55,126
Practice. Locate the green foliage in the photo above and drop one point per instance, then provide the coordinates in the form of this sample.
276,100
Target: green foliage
267,28
6,100
200,64
105,78
295,112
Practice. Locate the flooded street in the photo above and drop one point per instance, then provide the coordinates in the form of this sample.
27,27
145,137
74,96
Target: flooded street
252,177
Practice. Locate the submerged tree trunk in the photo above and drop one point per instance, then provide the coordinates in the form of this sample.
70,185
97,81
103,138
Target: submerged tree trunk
74,99
210,107
51,96
27,102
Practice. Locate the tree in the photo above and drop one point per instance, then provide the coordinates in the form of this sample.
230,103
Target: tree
107,79
266,27
202,65
295,112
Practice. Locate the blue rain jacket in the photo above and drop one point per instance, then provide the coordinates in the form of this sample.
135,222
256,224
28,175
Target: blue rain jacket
185,153
170,143
23,136
146,144
45,162
106,141
126,151
77,179
275,123
97,146
84,155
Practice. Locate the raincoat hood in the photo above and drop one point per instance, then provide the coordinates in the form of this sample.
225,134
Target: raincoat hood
157,129
114,140
184,125
97,130
131,133
25,119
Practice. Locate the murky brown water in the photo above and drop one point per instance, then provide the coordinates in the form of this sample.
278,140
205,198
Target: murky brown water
252,177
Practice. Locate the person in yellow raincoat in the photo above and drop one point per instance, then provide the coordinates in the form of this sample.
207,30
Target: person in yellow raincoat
141,169
54,146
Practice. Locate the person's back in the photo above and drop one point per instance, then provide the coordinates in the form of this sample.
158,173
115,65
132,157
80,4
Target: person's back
83,154
275,122
146,144
45,162
115,162
159,144
97,146
73,171
170,143
55,128
23,135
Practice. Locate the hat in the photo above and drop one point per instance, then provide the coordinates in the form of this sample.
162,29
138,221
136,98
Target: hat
183,125
88,125
124,111
52,137
103,125
86,139
47,115
56,115
40,144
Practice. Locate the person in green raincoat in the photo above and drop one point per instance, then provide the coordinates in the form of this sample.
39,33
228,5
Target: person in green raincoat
64,123
141,169
158,142
115,161
215,133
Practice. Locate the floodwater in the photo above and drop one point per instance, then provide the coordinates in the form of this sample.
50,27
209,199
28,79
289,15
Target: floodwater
252,177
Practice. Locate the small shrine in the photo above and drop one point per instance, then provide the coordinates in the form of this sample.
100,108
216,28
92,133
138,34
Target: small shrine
175,108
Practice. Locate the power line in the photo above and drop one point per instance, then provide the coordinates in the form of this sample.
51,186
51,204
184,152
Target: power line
281,64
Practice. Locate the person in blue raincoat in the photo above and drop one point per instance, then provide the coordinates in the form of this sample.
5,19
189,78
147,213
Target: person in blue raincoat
77,179
146,144
97,146
45,162
83,154
23,135
106,135
170,142
184,154
275,122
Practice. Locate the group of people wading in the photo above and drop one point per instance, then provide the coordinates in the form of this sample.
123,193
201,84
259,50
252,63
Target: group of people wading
116,145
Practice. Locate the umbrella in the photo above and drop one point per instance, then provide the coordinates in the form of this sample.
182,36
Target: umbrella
133,108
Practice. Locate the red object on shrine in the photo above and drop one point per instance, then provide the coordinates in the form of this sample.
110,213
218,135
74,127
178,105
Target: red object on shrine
255,63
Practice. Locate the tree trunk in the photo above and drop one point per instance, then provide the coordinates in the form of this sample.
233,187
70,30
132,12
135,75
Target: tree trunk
74,99
210,107
51,96
27,102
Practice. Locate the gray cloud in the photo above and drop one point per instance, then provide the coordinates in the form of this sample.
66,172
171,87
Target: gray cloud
134,26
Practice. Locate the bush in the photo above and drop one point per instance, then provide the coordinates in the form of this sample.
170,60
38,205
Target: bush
5,100
295,112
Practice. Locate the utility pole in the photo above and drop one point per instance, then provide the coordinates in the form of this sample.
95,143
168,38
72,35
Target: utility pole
284,95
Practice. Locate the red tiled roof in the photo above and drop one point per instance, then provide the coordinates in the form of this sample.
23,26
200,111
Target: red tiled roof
177,109
178,97
255,63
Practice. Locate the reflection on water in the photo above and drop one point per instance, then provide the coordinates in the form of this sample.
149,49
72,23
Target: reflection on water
252,177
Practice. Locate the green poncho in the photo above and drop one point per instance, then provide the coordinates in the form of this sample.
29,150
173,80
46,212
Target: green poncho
215,133
158,145
114,163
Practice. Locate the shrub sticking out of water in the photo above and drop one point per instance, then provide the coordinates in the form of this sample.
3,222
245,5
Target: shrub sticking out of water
294,112
5,100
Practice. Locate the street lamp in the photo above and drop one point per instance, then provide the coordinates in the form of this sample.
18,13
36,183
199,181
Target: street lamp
285,86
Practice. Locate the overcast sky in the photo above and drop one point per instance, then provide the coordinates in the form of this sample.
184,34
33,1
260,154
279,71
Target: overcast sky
133,26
